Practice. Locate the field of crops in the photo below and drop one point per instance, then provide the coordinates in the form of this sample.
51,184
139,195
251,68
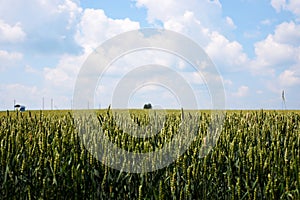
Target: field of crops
257,156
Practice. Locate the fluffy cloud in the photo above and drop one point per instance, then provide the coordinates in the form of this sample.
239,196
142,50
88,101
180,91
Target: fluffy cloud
60,25
278,4
242,91
169,9
288,33
230,22
155,12
71,9
64,74
289,78
294,6
59,80
180,23
194,18
204,23
271,53
290,5
95,27
278,50
8,59
277,59
49,25
10,56
226,53
44,12
11,34
16,10
266,22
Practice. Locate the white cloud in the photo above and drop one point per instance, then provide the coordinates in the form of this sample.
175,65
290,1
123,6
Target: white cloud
180,23
278,4
274,53
64,74
294,7
288,33
189,25
194,78
59,81
95,27
49,25
289,78
159,12
242,91
8,59
203,22
10,56
266,22
43,12
29,69
278,51
290,5
230,22
11,34
72,9
169,9
224,52
193,18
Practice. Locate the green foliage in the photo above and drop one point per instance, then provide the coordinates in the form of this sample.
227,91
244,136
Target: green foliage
256,157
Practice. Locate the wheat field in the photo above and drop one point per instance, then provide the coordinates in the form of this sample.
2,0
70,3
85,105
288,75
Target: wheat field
257,156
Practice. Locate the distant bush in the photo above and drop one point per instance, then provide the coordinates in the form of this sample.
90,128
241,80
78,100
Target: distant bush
148,106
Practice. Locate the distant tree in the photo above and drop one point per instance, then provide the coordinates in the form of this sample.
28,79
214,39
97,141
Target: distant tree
148,106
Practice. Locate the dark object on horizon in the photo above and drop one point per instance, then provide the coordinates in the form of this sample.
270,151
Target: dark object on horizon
20,108
148,106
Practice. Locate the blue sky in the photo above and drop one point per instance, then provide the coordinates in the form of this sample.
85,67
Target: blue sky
255,45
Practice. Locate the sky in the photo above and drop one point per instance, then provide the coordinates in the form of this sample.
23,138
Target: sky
254,45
